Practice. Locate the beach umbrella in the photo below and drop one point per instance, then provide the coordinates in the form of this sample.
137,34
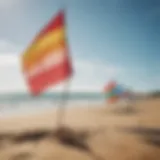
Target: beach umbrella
113,92
110,86
46,62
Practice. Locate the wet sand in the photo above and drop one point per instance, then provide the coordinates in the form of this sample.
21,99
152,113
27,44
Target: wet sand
104,133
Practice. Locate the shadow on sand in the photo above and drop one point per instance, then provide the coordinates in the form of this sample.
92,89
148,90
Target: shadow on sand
22,156
64,135
127,111
149,135
78,140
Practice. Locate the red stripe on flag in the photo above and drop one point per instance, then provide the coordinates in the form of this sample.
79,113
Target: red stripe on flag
53,76
56,22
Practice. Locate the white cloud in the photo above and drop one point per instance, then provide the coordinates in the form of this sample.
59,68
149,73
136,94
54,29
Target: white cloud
8,60
88,75
10,74
94,74
8,47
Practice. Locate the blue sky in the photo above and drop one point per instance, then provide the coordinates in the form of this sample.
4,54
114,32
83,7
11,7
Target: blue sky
109,39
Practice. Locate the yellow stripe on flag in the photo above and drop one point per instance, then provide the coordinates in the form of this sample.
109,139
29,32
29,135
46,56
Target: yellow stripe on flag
29,64
51,39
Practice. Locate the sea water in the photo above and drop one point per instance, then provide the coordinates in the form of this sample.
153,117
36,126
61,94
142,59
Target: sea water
15,103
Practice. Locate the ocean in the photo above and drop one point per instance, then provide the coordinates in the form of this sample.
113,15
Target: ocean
15,103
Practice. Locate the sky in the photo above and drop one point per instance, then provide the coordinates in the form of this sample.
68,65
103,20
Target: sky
108,40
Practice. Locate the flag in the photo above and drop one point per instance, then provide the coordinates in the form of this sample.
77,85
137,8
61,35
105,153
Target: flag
46,61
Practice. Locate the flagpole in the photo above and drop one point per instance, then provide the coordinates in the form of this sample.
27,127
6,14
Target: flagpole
65,94
62,105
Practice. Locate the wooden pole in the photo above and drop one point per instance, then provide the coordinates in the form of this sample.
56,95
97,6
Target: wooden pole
62,105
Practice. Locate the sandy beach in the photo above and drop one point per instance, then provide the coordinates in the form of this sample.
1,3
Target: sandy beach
108,134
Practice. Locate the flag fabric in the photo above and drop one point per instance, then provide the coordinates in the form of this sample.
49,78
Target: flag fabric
47,62
113,92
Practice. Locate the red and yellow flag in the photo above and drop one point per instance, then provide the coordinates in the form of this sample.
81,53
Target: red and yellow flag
46,62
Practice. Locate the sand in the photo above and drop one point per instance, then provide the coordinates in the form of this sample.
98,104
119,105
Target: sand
109,133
